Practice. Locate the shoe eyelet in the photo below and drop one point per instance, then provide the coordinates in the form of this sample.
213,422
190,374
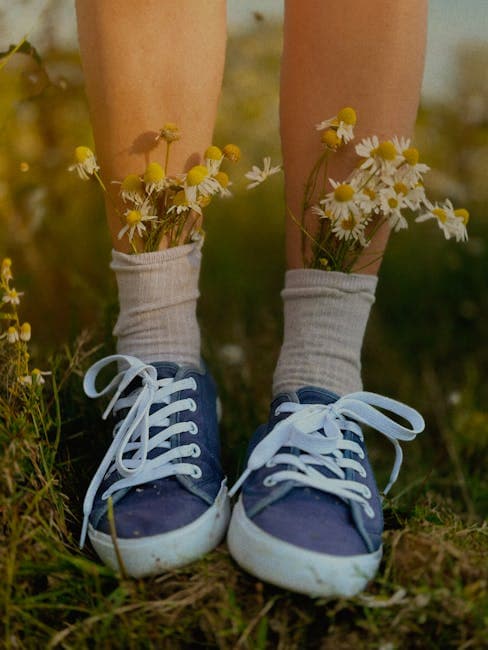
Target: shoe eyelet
196,451
196,472
269,481
193,430
192,405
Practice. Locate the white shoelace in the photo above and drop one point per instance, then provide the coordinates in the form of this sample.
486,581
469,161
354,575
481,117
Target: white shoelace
318,431
131,435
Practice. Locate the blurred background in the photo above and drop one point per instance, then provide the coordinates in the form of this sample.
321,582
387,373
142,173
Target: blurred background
427,342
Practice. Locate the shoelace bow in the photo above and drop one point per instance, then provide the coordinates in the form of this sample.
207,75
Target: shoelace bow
131,444
318,431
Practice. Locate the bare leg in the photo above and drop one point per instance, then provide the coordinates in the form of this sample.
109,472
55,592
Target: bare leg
369,55
146,64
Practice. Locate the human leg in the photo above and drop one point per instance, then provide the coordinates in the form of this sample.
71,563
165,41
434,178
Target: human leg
143,67
309,497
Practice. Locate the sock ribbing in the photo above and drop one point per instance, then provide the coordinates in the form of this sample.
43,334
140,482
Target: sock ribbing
158,293
325,317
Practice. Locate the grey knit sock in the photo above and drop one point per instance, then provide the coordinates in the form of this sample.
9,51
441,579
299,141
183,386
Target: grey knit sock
325,318
158,294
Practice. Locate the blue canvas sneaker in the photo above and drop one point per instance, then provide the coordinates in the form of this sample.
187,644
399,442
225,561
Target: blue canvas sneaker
162,469
309,517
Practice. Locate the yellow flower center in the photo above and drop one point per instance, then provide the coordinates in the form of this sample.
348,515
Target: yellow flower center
400,188
196,175
203,201
213,153
179,198
348,223
330,138
154,173
82,154
463,214
11,332
232,152
324,262
222,179
170,132
133,217
440,214
393,203
371,194
386,150
343,193
411,156
347,115
132,183
25,331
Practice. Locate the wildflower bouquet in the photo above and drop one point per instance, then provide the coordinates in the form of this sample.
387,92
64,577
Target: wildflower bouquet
16,337
386,187
160,207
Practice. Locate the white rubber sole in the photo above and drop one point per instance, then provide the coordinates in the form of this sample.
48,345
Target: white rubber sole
296,569
159,553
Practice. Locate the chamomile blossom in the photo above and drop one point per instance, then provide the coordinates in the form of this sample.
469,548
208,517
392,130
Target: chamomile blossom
342,201
350,227
224,182
213,157
198,181
134,221
35,378
85,163
25,332
343,123
410,170
393,201
258,176
6,271
181,204
12,334
154,178
378,156
12,296
170,132
132,189
452,222
231,152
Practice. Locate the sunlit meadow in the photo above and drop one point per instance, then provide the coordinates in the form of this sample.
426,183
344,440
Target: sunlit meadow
426,345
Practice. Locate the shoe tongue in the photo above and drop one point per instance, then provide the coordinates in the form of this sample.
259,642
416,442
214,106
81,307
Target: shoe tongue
315,395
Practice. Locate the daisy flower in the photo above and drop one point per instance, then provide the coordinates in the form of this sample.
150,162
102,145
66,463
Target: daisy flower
181,204
12,296
350,227
393,201
85,163
35,378
213,157
154,178
231,152
6,269
170,132
199,181
25,332
132,189
224,182
452,222
258,176
134,221
342,201
378,156
343,123
12,334
411,170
